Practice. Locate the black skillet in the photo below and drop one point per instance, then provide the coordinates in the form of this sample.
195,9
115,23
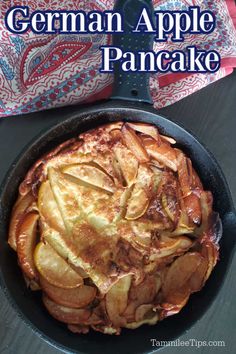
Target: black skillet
135,90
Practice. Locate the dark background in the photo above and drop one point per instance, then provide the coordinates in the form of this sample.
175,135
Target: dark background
211,115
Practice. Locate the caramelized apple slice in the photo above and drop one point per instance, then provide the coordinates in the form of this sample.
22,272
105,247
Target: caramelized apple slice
180,272
183,173
114,126
206,210
197,279
193,208
178,298
26,242
19,210
169,246
140,197
142,234
118,175
60,244
66,314
128,164
55,240
157,177
174,302
123,199
48,208
143,311
67,195
168,139
134,143
140,294
78,297
151,319
116,300
91,175
54,268
144,128
183,227
97,318
163,153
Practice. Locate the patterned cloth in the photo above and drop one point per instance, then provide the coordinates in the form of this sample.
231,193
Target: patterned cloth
45,71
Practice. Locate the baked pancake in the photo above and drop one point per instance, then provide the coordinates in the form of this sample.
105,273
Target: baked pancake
115,228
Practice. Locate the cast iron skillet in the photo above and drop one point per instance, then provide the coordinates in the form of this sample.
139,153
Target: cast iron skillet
27,304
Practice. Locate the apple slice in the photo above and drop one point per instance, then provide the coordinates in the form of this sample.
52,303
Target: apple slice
151,320
116,300
91,176
118,175
54,239
193,208
142,234
197,279
26,242
66,314
48,208
67,195
75,298
59,242
180,272
143,293
19,210
168,139
128,163
123,197
134,143
157,177
140,197
183,173
163,153
54,268
174,302
143,311
206,201
144,128
171,245
184,226
114,126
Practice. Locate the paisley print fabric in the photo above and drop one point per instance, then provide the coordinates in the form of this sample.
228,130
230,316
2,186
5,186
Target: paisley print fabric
45,71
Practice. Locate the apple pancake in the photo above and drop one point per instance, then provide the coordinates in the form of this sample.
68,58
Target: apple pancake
115,228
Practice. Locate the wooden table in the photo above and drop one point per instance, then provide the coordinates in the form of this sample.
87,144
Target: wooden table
211,115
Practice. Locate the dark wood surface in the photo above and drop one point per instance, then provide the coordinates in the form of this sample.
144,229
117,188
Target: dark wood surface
211,115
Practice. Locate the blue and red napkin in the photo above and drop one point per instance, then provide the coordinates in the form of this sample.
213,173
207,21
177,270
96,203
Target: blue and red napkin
43,71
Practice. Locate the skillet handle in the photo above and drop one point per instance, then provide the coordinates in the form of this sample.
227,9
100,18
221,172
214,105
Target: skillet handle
132,86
